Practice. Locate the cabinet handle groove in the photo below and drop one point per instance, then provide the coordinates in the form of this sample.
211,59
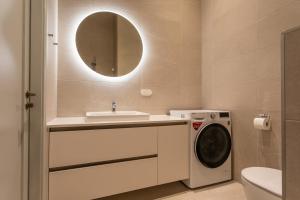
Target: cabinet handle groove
63,168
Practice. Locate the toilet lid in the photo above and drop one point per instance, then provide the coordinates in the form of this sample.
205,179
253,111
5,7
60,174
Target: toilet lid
265,178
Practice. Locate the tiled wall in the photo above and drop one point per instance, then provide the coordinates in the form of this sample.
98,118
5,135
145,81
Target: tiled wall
51,62
171,69
241,71
292,114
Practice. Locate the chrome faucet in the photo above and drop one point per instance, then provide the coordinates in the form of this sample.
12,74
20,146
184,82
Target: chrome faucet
113,106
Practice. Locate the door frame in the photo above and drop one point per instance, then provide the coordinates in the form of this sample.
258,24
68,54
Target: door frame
37,185
25,88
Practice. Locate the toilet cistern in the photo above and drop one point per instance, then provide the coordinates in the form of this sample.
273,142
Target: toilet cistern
113,106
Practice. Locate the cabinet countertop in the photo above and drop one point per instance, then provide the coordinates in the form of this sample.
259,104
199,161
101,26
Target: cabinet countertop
73,122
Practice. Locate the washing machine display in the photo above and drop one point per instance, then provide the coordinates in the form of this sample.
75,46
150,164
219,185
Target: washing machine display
213,145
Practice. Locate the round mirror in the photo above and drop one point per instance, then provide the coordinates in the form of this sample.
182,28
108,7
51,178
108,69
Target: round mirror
109,44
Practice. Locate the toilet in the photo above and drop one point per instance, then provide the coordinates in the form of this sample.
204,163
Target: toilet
262,183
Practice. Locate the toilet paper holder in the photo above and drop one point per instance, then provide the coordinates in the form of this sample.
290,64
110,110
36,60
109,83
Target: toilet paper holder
267,122
265,115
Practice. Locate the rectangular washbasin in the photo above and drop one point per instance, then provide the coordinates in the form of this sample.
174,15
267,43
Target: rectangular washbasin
116,116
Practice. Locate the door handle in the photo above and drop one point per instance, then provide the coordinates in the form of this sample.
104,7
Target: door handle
29,105
29,94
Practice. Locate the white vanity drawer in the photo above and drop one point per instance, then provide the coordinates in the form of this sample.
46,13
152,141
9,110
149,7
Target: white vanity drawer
103,180
88,146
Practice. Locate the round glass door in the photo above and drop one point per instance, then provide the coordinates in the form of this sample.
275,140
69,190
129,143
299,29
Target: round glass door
213,145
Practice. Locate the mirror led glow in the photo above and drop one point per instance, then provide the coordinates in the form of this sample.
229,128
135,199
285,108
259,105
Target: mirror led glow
72,43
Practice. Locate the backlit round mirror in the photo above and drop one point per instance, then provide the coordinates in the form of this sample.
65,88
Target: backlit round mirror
109,44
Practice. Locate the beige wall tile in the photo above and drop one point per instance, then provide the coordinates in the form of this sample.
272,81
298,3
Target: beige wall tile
269,143
51,63
245,141
271,26
268,64
268,7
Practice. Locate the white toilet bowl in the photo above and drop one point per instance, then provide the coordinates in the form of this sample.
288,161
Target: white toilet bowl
262,183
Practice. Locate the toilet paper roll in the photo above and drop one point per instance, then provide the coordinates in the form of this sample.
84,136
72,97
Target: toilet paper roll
262,123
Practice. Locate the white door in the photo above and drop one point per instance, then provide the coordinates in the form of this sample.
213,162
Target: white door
11,98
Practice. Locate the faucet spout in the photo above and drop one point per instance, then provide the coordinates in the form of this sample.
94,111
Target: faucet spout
113,106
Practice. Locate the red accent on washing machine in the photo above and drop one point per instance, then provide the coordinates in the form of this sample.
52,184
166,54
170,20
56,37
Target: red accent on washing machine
196,125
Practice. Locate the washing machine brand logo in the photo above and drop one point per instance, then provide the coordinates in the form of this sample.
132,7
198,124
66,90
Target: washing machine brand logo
196,125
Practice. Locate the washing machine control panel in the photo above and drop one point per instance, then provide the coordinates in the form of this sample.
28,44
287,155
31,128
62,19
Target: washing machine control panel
211,115
224,114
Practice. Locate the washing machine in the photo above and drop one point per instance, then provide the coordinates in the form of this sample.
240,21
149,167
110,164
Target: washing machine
210,146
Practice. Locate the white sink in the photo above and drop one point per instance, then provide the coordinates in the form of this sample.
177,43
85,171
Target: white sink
116,116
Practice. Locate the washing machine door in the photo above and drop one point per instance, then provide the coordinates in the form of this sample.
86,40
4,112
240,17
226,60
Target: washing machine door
213,145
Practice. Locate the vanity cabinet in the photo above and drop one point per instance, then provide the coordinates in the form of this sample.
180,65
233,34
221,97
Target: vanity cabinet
102,180
69,148
173,147
94,162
